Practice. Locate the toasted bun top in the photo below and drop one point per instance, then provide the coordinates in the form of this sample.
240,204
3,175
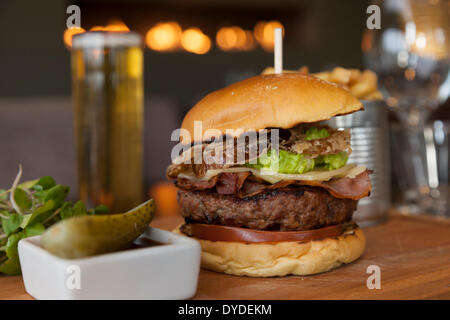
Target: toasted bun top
273,100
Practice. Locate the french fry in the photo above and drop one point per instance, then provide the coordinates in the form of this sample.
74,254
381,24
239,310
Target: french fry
376,95
268,70
355,76
369,76
362,85
323,75
366,85
340,75
362,89
303,70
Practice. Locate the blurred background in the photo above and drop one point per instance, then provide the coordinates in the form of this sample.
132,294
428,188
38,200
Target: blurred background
192,47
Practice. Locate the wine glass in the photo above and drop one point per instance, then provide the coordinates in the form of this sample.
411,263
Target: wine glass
411,54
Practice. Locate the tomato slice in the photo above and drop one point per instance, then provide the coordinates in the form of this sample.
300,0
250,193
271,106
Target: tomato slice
235,234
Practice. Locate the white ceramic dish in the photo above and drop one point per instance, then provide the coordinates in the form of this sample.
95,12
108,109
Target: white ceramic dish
160,272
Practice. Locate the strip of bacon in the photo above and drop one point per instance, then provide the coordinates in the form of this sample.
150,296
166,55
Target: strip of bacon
252,188
190,185
345,188
239,184
231,183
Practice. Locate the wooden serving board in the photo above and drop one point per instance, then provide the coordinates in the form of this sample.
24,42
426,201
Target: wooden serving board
413,254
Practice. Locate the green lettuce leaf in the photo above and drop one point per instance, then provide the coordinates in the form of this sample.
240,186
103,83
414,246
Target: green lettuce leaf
11,222
332,161
313,133
100,209
22,200
12,265
68,211
44,183
34,230
39,215
293,163
284,162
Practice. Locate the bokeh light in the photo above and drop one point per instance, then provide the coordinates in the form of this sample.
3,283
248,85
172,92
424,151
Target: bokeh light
98,28
250,42
264,33
234,38
69,33
164,36
117,26
165,195
195,41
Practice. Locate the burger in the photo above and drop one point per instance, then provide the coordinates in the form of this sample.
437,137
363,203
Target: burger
286,209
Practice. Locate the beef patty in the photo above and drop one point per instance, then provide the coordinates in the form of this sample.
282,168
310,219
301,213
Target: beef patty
286,209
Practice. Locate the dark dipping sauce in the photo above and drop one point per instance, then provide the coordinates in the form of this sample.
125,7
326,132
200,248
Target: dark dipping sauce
144,242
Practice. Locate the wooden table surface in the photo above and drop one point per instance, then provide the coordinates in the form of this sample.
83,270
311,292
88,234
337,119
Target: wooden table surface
413,254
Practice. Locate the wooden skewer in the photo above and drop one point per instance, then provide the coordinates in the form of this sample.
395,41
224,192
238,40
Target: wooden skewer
278,49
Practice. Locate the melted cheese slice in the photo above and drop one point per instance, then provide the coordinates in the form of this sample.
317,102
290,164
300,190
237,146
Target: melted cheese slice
347,171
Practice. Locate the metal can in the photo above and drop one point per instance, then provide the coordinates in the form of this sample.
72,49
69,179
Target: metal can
369,131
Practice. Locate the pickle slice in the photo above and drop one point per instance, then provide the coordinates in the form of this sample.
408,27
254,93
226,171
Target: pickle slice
84,236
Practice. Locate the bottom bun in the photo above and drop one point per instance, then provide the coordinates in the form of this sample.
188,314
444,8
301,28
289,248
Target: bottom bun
281,258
